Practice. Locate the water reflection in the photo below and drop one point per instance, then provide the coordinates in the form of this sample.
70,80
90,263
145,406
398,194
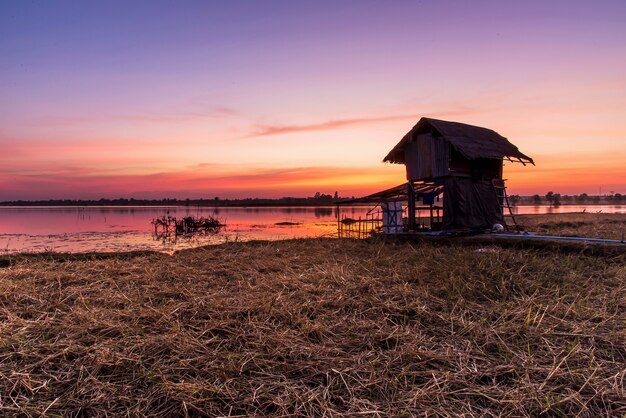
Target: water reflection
129,228
125,228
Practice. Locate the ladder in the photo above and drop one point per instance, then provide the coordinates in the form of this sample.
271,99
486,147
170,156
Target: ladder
503,200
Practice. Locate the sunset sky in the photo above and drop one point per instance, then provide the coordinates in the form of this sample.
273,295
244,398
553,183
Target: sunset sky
182,99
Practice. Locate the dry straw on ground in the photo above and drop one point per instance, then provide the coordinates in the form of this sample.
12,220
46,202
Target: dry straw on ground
315,328
598,225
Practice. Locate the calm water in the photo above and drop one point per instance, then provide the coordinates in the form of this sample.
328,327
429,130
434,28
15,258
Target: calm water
77,229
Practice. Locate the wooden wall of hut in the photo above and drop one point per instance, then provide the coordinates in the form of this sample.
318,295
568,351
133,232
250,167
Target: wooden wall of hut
427,157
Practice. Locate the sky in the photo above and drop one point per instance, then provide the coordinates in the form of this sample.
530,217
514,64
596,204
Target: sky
186,99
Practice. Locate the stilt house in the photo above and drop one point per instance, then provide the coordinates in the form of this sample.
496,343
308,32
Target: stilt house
458,163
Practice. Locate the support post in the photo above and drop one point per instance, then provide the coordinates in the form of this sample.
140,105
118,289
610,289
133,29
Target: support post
431,216
411,198
338,223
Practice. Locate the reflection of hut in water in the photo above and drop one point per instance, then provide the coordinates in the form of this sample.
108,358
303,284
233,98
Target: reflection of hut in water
454,174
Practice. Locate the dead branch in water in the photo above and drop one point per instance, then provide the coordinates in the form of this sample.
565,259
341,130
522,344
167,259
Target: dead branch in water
168,227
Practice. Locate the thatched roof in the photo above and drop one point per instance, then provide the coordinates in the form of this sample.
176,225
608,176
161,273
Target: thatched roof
473,142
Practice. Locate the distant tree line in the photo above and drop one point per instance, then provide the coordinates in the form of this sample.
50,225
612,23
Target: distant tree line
319,199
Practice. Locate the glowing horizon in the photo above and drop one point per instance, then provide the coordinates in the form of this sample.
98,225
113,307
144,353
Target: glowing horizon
247,100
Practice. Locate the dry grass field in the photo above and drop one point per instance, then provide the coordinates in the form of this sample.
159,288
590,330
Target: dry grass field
596,225
315,328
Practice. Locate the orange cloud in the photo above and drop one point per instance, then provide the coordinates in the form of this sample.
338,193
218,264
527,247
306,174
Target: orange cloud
66,183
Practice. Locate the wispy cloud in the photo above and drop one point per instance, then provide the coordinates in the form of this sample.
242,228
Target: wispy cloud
267,130
281,129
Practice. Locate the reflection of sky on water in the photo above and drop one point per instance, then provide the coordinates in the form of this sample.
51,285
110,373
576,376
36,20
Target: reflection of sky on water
129,228
75,229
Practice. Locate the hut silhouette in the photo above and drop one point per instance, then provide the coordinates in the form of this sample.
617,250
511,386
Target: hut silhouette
459,162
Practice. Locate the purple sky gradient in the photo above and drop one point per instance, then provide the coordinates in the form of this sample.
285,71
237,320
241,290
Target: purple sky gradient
109,94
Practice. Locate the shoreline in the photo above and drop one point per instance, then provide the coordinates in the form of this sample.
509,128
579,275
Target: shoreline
493,241
590,225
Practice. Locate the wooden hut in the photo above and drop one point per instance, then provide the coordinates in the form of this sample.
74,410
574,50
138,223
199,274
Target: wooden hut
459,161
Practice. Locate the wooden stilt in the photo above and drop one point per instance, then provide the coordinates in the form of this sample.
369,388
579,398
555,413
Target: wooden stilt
431,216
411,199
338,223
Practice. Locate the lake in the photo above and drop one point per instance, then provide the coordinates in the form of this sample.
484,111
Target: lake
102,229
